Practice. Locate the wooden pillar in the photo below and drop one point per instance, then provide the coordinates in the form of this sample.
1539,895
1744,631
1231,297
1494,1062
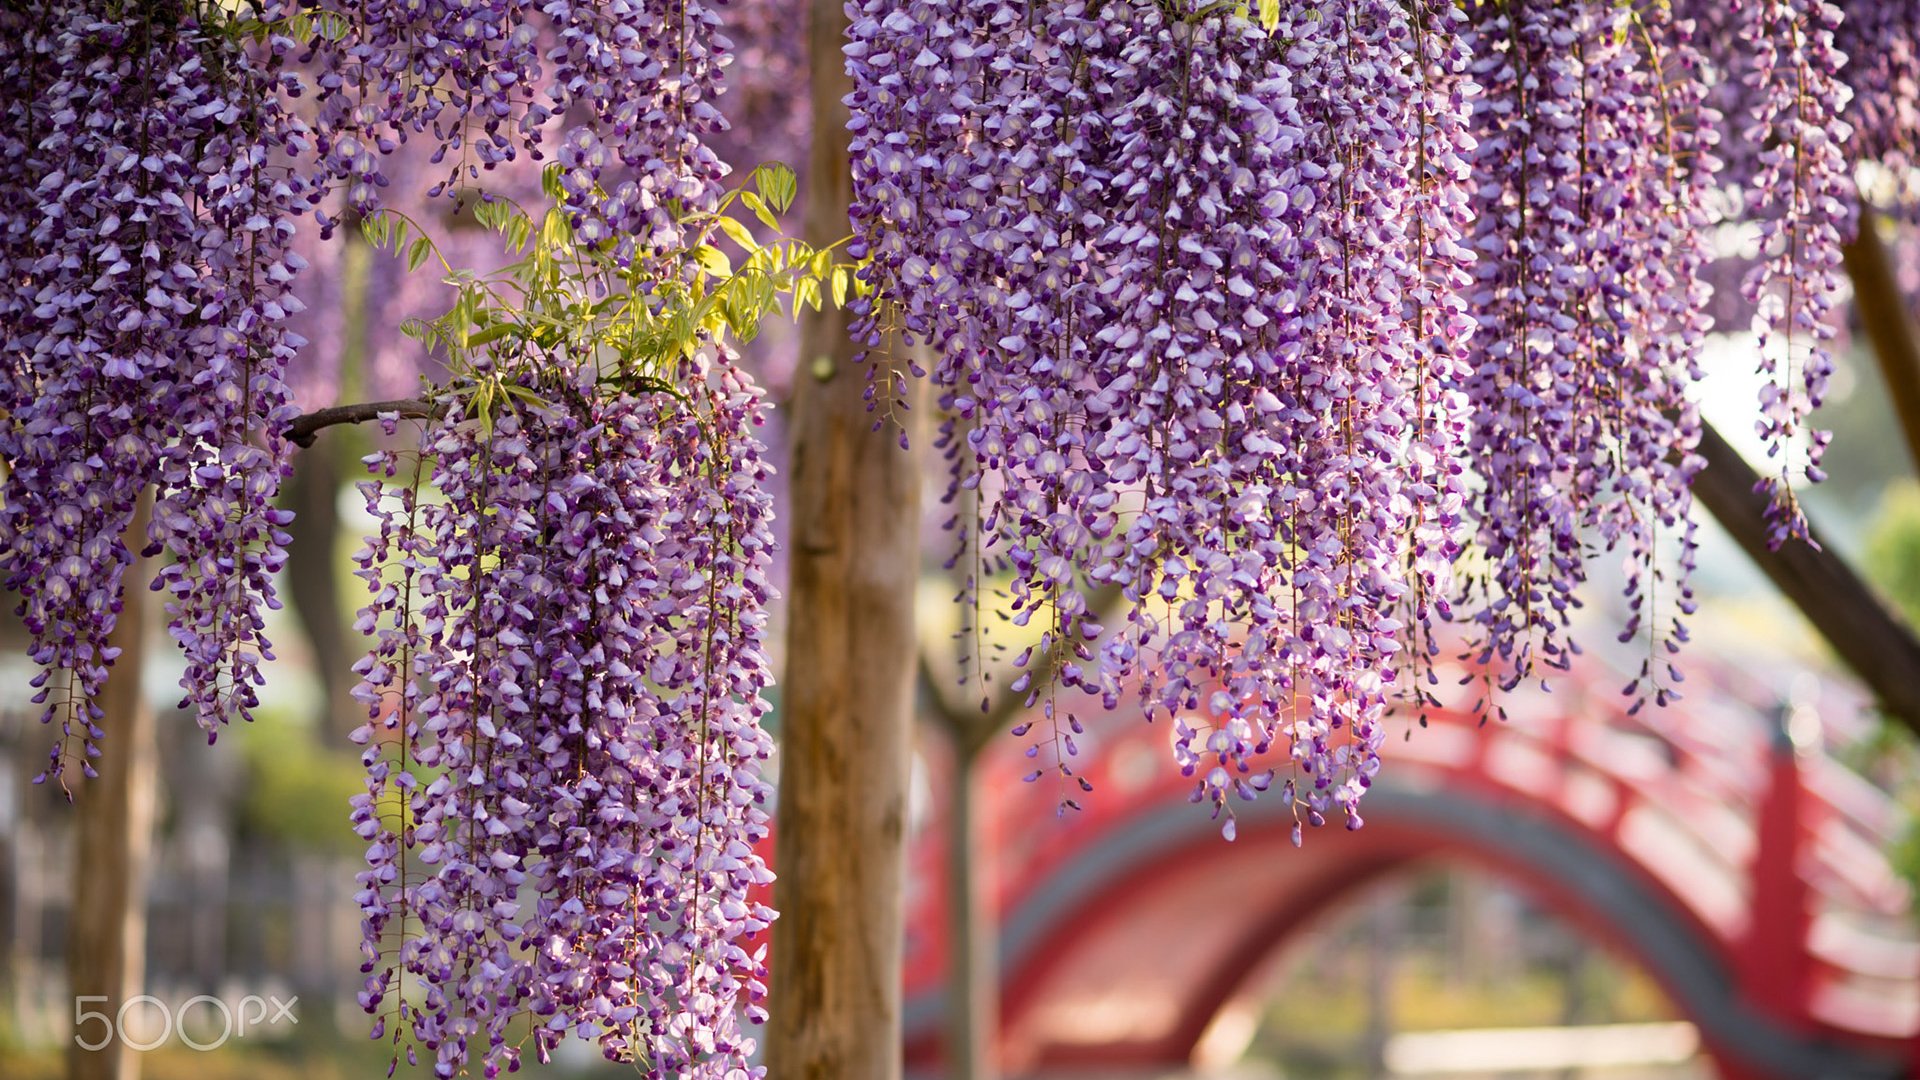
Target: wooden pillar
114,818
845,724
973,978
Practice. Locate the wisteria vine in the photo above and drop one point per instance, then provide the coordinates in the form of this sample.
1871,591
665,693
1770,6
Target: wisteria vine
149,281
569,576
564,786
1261,313
1302,327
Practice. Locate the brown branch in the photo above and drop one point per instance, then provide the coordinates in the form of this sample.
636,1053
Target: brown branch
970,726
1868,637
307,425
1889,325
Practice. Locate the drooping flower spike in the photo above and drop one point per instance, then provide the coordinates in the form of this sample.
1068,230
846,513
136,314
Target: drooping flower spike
148,289
564,787
1257,315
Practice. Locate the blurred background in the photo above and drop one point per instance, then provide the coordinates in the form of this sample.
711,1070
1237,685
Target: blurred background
1687,892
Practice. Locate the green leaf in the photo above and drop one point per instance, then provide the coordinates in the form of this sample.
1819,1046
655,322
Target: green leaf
525,395
483,406
331,25
775,183
550,182
739,234
759,208
1269,14
418,254
519,230
554,231
837,281
491,334
713,260
807,291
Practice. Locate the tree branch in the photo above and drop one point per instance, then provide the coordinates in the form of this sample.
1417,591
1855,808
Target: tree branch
1888,323
307,425
1868,637
972,727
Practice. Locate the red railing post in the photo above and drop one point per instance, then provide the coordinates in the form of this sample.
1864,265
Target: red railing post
1775,968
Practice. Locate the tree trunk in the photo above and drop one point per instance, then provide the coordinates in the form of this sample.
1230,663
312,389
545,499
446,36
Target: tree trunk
973,978
1865,633
313,582
107,927
847,698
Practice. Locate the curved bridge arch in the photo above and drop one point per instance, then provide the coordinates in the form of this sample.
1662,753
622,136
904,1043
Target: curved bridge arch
1745,877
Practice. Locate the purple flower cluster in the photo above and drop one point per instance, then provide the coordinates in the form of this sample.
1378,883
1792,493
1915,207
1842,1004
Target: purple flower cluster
462,76
147,206
633,84
569,591
1191,343
564,753
1802,197
1257,321
1881,41
1592,170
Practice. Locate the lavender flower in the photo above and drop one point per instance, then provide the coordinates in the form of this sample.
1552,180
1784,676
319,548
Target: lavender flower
153,281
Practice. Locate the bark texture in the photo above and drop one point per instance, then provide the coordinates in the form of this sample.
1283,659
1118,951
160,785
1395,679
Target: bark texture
114,820
1887,318
846,717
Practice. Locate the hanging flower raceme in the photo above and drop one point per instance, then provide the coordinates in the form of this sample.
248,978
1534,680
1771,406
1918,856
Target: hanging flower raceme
634,87
148,347
1592,167
1247,321
1439,212
564,783
1803,200
462,77
1163,256
1881,41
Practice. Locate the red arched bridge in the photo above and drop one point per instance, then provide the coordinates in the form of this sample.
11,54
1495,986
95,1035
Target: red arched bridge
1746,875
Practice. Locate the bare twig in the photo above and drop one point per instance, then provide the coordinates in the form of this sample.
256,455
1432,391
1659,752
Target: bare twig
307,425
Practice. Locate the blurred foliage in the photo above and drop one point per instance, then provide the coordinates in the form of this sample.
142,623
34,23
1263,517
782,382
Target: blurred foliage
1317,1017
1892,563
297,792
1893,548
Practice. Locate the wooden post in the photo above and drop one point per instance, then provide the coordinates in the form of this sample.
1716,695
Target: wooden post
313,583
1773,957
107,923
973,938
846,717
972,1048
